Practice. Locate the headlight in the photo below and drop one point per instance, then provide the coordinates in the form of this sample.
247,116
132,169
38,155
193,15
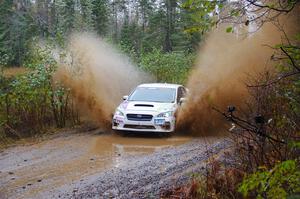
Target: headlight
165,114
119,113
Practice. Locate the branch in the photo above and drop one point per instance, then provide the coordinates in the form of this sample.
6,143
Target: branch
289,56
275,81
252,2
252,128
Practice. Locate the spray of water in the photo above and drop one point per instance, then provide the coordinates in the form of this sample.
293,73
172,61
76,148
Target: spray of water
98,76
224,63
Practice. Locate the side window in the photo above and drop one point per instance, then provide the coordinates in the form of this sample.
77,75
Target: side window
178,94
181,93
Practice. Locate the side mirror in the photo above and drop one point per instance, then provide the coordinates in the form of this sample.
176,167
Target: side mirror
125,97
182,100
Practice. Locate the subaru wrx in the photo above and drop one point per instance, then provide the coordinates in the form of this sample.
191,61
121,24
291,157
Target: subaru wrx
150,108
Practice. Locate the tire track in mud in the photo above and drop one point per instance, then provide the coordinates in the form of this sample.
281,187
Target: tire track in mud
145,177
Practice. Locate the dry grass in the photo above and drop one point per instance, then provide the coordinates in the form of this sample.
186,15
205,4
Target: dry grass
217,182
13,71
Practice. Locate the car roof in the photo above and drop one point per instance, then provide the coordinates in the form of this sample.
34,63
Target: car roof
160,85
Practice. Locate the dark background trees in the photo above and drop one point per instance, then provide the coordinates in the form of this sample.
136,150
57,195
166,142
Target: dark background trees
137,26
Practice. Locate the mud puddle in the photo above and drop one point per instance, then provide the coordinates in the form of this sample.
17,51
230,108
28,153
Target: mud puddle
33,170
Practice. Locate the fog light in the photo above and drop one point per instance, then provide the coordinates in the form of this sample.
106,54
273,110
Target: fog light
167,125
115,123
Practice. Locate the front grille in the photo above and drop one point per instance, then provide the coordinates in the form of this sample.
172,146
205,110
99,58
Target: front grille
131,126
139,117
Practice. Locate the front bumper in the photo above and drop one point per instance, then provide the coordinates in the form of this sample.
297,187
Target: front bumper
121,123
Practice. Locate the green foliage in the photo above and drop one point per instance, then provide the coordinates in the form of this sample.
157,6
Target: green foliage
5,49
16,30
100,13
229,29
65,10
281,99
130,42
86,16
160,26
4,59
202,14
235,13
279,182
294,144
168,67
138,26
31,102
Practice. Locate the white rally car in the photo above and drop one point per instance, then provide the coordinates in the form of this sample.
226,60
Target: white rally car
149,108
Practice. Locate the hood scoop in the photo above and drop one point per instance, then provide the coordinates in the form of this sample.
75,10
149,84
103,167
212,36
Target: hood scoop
144,105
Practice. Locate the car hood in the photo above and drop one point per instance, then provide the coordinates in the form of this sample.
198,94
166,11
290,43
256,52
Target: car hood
131,106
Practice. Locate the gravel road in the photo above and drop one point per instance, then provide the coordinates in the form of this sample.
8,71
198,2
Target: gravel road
147,176
97,165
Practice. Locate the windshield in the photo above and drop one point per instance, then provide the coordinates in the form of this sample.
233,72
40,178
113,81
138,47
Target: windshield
152,94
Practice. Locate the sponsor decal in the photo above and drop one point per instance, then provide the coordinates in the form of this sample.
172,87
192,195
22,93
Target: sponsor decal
119,120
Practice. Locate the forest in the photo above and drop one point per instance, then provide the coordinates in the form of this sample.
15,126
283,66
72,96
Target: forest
137,27
151,33
166,38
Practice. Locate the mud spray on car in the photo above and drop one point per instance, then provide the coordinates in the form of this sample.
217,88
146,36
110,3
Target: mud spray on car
98,75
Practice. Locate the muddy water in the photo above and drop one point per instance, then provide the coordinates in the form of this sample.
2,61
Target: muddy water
34,170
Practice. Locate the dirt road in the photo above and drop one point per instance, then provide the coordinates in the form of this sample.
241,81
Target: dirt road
99,165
